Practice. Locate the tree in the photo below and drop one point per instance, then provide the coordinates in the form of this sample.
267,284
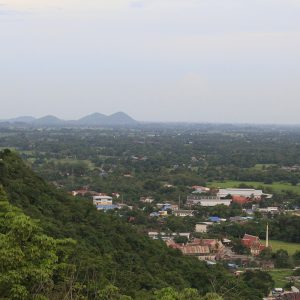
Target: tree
266,254
259,280
296,257
29,259
281,259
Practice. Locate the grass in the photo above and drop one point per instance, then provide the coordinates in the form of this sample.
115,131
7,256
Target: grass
276,186
261,166
291,248
89,164
279,275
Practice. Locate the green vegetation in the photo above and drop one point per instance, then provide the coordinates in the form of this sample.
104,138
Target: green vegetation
279,275
109,259
113,258
276,186
291,248
32,263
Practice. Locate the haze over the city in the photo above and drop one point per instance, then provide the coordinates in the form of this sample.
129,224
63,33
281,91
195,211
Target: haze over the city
157,60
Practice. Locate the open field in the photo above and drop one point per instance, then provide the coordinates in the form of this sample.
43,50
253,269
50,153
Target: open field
88,163
291,248
279,275
261,166
276,186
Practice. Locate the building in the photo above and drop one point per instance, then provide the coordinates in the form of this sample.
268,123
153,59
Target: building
203,249
253,243
240,219
206,201
167,236
183,213
202,227
247,193
200,189
167,206
102,199
106,207
146,199
216,219
268,210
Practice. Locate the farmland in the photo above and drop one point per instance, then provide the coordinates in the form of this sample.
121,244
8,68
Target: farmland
276,186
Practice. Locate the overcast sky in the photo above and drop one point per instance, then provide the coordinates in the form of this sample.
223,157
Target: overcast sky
157,60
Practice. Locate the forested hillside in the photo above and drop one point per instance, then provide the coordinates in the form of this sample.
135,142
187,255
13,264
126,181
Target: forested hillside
66,249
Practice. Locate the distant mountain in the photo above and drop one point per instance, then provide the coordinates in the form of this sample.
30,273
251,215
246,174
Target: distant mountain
22,119
121,119
48,120
95,119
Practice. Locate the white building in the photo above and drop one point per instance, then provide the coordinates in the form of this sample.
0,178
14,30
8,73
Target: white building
102,200
248,193
183,213
207,201
146,199
202,227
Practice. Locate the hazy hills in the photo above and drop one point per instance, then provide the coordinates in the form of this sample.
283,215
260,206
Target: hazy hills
95,119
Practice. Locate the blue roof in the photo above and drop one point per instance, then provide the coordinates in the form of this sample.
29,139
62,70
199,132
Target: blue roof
214,219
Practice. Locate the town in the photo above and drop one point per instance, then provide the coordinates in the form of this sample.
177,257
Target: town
238,254
207,203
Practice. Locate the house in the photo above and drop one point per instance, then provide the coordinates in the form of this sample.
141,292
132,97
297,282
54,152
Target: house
215,246
167,236
253,243
147,199
183,213
163,213
102,199
203,249
167,206
268,210
201,252
206,201
202,227
216,219
240,219
106,207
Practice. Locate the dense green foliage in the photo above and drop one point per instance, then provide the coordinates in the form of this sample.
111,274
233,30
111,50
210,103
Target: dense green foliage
33,264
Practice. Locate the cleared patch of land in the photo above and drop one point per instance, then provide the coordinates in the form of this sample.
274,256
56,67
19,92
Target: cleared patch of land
291,248
279,275
276,186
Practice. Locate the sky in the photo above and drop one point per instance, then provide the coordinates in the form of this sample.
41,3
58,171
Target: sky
233,61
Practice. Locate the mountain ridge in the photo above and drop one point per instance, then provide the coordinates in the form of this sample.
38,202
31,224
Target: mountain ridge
94,119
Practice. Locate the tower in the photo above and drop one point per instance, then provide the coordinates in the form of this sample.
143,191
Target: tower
267,236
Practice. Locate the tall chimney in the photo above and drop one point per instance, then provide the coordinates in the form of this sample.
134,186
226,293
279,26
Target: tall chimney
267,236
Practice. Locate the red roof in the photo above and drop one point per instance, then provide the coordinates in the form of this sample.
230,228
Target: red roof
240,199
248,240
